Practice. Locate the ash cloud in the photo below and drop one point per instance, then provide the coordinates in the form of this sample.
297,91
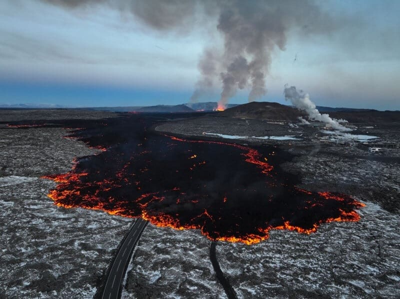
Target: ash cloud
251,32
302,101
162,15
157,14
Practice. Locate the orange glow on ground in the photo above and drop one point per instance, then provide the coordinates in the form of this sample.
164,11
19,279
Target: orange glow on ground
252,156
128,191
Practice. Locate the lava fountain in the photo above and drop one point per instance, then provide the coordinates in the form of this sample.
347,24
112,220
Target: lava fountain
220,107
229,192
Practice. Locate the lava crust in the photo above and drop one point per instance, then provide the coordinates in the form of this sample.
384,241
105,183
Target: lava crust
230,192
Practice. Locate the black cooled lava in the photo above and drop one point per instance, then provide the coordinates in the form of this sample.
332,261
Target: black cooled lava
229,191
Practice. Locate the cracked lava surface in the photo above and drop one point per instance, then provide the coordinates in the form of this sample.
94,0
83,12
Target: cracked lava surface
228,191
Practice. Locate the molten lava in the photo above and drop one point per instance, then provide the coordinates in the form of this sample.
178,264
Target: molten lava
24,126
228,191
220,107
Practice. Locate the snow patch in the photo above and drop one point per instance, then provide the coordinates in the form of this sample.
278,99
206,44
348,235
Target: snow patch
226,136
154,276
285,137
348,136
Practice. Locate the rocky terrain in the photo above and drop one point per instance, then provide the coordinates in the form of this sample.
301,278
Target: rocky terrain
212,123
264,111
341,260
165,109
49,252
340,163
354,260
10,115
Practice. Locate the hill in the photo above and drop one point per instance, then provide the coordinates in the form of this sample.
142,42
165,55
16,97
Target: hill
264,111
206,106
31,106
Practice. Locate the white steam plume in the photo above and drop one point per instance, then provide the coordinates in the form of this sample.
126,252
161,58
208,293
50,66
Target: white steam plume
302,101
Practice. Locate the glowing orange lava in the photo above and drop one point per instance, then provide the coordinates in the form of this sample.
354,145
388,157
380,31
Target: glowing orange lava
25,126
220,107
177,183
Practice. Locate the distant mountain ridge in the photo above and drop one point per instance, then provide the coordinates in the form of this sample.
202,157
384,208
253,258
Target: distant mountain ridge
31,106
165,109
115,109
342,109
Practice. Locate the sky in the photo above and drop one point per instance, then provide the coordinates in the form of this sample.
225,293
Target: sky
117,54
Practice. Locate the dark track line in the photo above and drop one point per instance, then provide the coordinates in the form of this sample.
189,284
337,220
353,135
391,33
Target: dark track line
230,292
112,288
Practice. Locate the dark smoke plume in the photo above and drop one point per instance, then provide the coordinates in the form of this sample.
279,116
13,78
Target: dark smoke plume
251,31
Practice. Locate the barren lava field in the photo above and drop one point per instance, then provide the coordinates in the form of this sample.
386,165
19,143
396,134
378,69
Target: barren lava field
230,192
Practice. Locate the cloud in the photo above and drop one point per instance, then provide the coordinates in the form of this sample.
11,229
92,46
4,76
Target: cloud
245,38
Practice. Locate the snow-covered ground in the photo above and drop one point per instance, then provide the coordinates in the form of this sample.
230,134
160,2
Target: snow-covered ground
172,264
51,252
341,260
46,251
286,137
348,136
